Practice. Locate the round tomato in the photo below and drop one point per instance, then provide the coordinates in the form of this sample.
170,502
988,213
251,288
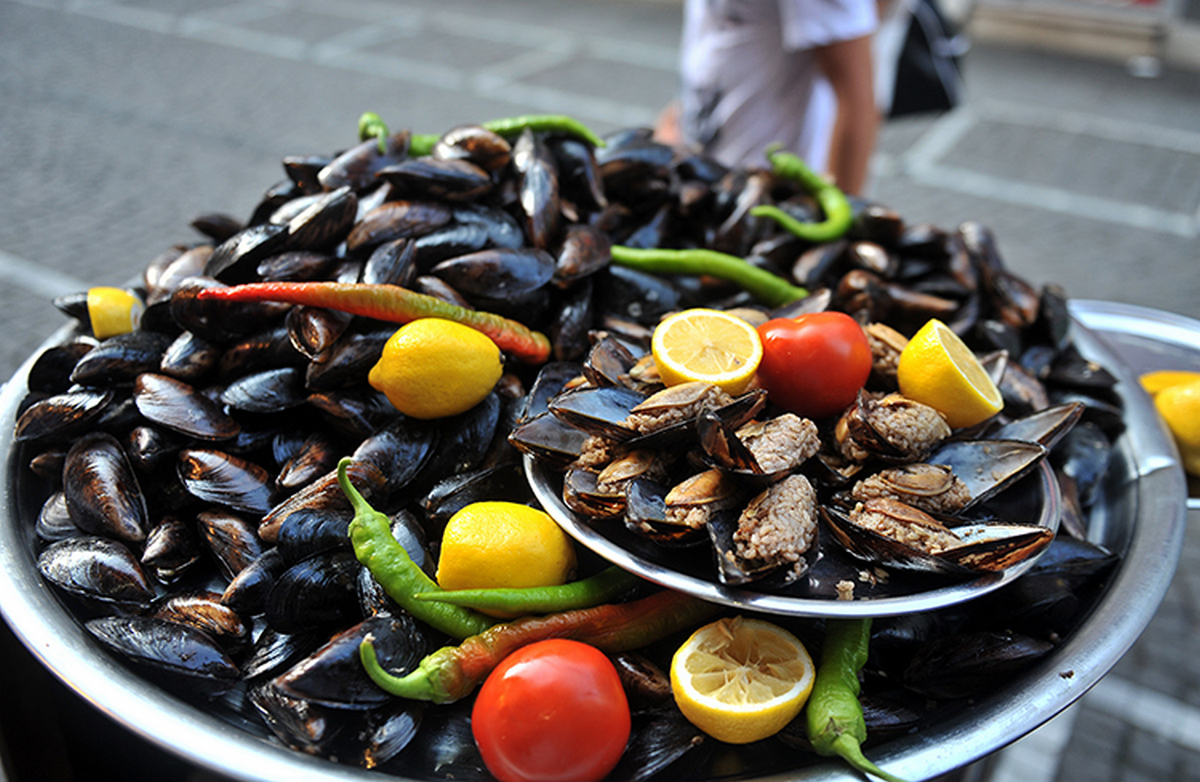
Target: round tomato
552,711
814,364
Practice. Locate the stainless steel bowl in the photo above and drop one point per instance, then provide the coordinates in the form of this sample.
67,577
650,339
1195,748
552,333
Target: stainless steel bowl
1141,516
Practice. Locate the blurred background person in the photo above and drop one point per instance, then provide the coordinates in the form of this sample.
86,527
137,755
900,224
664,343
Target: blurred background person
796,72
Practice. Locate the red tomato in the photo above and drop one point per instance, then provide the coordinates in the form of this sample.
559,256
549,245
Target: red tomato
553,711
814,364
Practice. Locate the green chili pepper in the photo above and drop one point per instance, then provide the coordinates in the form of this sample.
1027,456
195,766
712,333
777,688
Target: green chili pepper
371,125
838,213
603,587
393,568
834,713
453,672
511,127
772,290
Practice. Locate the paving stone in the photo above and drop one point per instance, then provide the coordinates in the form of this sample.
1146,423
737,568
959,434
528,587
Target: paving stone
104,167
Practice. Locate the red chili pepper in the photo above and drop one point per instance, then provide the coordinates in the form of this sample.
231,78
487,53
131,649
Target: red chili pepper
453,672
393,304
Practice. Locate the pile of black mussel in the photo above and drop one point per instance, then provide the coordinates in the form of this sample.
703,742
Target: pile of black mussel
191,519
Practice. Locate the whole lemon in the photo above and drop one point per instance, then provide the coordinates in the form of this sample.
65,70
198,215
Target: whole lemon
503,544
433,368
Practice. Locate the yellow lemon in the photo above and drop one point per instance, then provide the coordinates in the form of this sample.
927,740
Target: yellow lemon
707,345
1179,406
433,368
937,369
503,544
113,311
741,680
1161,379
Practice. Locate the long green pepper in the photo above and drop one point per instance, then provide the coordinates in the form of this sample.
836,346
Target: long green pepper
511,127
834,714
770,289
393,568
838,212
603,587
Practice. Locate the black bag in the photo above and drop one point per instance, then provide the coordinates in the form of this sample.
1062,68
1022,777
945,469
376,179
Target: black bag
928,71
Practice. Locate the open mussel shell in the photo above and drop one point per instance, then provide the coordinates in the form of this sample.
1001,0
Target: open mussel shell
1045,427
870,546
985,548
683,431
600,410
988,467
735,570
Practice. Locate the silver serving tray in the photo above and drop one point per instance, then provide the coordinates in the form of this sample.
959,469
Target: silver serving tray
1035,500
1141,516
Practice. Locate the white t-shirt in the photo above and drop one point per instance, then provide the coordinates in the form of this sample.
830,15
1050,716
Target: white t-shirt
749,78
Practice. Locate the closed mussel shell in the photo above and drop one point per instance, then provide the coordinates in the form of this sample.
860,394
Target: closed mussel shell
181,656
178,406
54,521
204,611
189,357
62,416
346,362
118,360
475,143
232,539
314,330
267,392
98,570
235,259
334,676
151,447
324,223
443,180
171,548
51,370
266,348
307,532
102,493
497,272
220,322
317,455
224,479
247,592
319,591
396,220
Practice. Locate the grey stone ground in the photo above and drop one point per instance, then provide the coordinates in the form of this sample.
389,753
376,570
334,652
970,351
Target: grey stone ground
121,121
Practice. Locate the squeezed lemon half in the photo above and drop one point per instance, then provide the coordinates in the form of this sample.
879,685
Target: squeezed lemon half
741,680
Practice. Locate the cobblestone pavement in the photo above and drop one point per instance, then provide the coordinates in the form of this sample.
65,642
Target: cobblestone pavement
121,121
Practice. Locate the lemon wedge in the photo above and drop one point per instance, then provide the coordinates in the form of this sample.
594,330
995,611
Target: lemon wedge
741,680
1163,379
709,346
113,311
937,369
1179,406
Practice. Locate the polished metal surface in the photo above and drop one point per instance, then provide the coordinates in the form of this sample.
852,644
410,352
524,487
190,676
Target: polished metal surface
1141,516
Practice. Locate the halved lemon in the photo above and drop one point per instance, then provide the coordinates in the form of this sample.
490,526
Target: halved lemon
937,369
1179,406
707,345
1162,379
741,680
